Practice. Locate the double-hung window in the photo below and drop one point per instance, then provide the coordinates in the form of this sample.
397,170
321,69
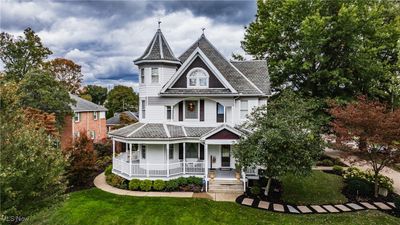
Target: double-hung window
77,117
143,109
95,115
169,112
142,75
171,151
220,113
191,109
92,134
154,76
143,152
244,109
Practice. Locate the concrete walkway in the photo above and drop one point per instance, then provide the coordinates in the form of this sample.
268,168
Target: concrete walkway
100,183
316,209
363,165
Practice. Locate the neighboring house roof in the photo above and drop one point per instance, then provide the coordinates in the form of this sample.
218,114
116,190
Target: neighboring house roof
235,76
168,131
158,50
116,119
83,105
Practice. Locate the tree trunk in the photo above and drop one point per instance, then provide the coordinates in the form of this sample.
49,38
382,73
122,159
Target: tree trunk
268,186
376,187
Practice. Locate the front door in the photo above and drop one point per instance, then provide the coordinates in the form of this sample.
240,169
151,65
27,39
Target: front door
225,155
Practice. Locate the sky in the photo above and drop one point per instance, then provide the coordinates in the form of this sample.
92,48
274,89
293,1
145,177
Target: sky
105,36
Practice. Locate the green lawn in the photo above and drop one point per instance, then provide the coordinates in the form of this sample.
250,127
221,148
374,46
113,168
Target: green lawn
318,188
97,207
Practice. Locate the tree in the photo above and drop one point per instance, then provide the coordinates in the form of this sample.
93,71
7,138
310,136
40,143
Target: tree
32,167
46,121
82,161
375,127
40,90
21,54
67,72
121,98
329,49
284,140
98,93
237,57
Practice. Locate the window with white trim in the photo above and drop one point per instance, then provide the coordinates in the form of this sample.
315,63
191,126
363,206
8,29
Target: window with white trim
154,76
192,150
171,151
220,113
77,117
197,78
143,153
77,134
92,134
95,115
143,109
142,75
244,109
191,109
169,112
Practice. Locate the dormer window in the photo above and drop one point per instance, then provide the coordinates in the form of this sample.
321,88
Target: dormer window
197,78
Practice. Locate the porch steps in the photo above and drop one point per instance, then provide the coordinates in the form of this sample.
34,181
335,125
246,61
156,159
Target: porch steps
225,186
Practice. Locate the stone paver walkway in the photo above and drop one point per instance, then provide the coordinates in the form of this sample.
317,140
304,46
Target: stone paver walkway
307,209
100,183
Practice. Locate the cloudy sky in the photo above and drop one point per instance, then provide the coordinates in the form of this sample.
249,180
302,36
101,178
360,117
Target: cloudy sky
105,36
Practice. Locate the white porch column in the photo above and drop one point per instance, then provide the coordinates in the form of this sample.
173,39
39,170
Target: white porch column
167,160
206,165
184,158
130,159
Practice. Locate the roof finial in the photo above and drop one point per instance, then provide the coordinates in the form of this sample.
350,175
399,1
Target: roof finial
202,29
159,22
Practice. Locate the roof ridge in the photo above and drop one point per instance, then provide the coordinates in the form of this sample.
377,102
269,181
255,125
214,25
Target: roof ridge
166,130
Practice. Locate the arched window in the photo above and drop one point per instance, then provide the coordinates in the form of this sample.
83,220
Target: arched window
197,78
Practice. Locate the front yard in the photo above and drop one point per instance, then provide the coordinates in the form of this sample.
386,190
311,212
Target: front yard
94,206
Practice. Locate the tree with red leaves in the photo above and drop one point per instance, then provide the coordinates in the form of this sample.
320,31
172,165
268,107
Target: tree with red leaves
67,72
82,161
374,127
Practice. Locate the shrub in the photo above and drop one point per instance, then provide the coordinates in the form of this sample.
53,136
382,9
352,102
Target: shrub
134,184
171,185
255,190
108,170
103,149
368,176
397,204
182,181
195,180
326,162
103,162
159,185
145,185
116,181
360,187
338,169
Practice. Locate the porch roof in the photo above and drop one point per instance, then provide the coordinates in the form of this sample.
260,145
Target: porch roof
168,131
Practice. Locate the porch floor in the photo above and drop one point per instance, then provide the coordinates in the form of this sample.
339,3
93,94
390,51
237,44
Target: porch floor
224,173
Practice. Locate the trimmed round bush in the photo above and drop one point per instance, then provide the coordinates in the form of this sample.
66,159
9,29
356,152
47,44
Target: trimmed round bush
360,187
108,169
116,181
326,162
182,181
255,190
159,185
171,185
134,184
145,185
195,180
337,169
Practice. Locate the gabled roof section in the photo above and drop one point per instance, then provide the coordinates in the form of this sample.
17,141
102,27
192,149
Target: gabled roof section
198,53
257,72
221,128
233,75
83,105
158,51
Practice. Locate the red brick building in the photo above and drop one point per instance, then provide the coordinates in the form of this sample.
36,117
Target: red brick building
88,118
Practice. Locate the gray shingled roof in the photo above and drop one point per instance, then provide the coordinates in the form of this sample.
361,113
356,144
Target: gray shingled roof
115,120
158,130
158,49
257,72
195,91
83,105
231,74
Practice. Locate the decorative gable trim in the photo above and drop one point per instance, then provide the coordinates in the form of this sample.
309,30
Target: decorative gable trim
219,129
198,53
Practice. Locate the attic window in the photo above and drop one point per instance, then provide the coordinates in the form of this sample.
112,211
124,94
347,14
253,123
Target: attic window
197,78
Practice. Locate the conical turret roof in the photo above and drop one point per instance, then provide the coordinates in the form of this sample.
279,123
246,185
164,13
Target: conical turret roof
158,51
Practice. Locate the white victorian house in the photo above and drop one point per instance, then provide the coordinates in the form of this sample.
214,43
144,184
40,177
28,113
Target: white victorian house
190,111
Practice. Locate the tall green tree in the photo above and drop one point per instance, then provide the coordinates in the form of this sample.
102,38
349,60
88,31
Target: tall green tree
40,90
21,54
121,98
329,49
284,140
32,167
98,93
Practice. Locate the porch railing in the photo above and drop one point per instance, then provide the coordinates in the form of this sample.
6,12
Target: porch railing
158,170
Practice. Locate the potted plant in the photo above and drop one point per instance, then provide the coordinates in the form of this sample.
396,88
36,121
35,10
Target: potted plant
237,170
